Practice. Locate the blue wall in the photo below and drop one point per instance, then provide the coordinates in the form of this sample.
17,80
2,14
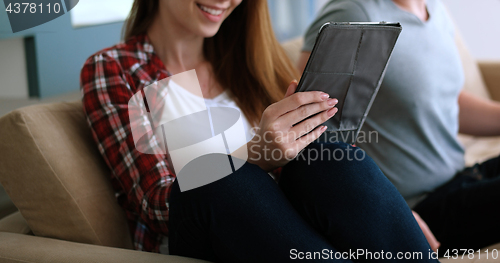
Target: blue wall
292,17
61,50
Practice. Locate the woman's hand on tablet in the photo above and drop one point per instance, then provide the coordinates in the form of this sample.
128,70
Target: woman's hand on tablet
285,129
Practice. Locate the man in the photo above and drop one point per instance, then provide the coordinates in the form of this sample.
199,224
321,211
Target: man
418,113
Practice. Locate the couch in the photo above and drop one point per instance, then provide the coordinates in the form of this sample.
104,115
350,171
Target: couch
53,172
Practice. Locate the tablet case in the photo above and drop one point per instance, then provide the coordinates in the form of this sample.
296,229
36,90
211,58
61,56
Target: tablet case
348,62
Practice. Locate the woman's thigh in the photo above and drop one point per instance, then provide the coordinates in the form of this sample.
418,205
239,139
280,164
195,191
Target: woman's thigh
243,217
343,195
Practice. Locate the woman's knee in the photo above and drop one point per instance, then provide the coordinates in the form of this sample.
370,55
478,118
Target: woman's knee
331,161
332,171
338,152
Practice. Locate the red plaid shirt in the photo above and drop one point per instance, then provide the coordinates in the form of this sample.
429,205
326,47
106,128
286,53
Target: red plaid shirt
142,182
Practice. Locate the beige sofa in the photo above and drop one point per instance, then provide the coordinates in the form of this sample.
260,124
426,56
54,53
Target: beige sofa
52,170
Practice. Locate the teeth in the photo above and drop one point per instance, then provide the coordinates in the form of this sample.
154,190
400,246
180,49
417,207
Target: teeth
211,11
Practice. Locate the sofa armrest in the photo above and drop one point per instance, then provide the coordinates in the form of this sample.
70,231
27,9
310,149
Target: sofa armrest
22,248
14,223
491,74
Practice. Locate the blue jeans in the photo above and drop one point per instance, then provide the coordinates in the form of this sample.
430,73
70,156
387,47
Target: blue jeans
329,205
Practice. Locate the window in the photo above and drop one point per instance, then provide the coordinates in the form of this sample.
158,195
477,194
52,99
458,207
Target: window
97,12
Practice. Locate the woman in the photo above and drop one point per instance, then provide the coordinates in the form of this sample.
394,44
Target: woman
325,207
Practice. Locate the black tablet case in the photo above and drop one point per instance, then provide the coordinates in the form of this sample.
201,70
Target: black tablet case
348,62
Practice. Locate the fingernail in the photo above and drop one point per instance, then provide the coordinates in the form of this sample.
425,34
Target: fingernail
332,102
325,96
323,128
332,112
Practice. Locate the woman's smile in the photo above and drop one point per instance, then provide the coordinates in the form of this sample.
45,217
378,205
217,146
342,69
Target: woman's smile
214,14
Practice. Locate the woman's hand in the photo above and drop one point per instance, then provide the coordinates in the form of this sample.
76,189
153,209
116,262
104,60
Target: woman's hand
283,131
427,232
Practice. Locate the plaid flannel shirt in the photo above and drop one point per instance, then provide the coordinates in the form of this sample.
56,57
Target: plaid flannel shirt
142,182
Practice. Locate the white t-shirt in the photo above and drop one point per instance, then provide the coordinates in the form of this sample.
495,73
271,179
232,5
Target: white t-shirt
180,102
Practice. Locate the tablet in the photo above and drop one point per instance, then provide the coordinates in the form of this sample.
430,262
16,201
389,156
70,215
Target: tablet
348,61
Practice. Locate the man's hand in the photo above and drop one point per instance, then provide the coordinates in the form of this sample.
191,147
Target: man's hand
427,232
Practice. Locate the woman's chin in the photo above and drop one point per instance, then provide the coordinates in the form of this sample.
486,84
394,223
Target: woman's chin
209,31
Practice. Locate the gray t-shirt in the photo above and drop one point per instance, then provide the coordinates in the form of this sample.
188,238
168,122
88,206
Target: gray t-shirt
416,110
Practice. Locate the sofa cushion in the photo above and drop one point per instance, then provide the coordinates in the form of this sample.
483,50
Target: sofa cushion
479,149
14,223
52,170
491,74
16,248
293,49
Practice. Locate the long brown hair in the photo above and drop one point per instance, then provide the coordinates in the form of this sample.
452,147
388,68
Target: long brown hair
245,54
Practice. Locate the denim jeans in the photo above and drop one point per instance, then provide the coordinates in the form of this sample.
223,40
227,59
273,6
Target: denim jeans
464,213
325,205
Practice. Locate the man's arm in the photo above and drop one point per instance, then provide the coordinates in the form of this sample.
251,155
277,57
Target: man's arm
478,117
